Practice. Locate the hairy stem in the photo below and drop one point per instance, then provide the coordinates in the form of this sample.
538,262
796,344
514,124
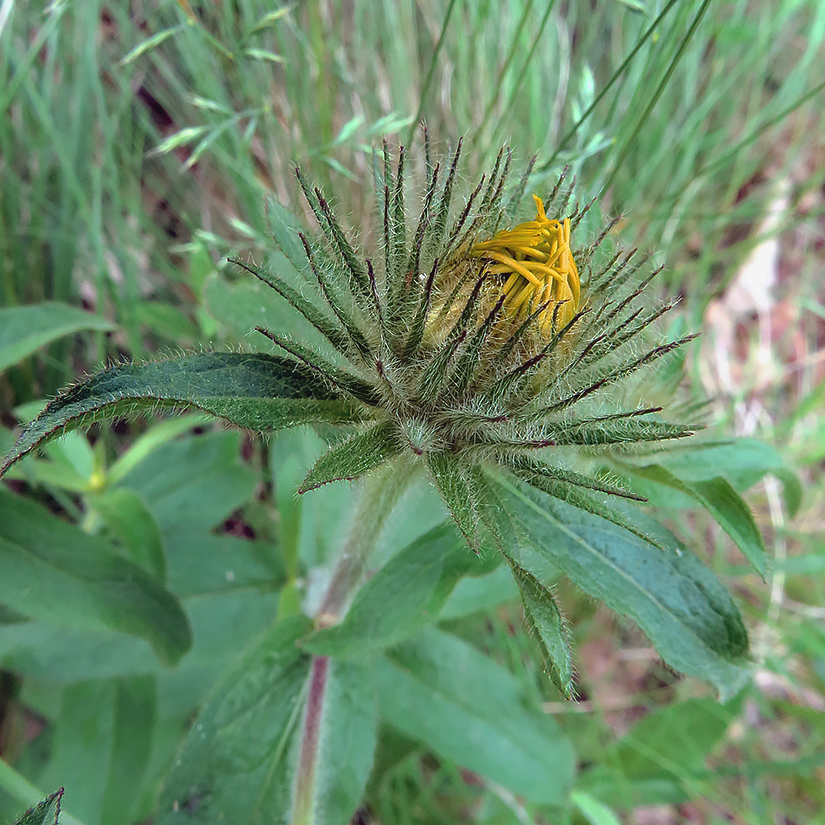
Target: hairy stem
310,736
381,492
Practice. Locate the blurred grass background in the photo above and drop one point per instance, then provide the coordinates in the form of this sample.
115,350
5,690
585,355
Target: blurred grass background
138,141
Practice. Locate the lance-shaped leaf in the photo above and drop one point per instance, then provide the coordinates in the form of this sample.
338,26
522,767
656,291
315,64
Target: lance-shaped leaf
236,763
353,458
318,365
459,497
127,516
277,714
55,572
441,212
338,738
616,374
544,616
742,461
252,390
594,433
667,591
434,373
286,231
295,299
719,498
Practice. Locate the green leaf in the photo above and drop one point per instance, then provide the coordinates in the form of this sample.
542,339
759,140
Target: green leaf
56,572
457,494
317,319
46,813
242,304
257,391
236,762
129,519
542,612
595,432
184,137
325,510
194,484
135,714
675,739
23,330
742,461
354,457
667,591
719,498
111,724
286,231
439,690
574,489
154,439
62,654
481,593
400,598
269,18
167,320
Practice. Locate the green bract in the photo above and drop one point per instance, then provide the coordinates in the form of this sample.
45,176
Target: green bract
450,356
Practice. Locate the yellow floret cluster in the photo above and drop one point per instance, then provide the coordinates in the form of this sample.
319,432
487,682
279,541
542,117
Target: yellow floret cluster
538,261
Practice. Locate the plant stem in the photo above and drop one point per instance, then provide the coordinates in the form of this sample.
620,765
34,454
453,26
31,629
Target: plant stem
380,494
310,735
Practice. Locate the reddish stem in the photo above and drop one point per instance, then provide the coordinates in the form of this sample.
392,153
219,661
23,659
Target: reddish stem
311,734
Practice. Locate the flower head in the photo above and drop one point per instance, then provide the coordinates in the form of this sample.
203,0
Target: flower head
470,344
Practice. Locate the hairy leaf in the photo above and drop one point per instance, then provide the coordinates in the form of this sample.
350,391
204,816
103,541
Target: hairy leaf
671,595
593,433
257,391
346,742
353,458
286,231
46,813
315,362
457,494
236,762
575,489
542,612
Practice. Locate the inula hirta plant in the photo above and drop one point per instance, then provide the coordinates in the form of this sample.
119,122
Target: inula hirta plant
495,352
